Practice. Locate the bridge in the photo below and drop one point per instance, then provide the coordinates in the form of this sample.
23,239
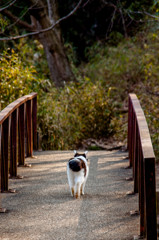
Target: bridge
35,202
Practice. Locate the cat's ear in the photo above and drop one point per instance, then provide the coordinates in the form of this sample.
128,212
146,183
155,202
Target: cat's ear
75,151
85,152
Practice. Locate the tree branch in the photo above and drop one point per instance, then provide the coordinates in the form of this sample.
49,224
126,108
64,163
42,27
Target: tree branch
46,29
1,9
17,20
50,13
123,22
146,13
85,3
111,22
110,4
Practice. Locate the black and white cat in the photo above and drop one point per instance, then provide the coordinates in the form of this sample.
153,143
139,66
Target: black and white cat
77,173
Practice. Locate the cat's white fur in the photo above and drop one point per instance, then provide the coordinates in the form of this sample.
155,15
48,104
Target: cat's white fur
77,180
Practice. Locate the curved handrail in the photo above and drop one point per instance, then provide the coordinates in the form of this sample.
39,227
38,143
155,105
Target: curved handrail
7,111
145,139
18,135
142,159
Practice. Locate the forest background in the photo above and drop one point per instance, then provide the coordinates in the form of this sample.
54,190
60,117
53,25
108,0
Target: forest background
99,52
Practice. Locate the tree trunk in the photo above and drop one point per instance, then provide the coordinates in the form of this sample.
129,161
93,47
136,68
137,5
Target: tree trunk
60,71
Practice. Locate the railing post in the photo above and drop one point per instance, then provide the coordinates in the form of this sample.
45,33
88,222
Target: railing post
136,160
2,210
35,123
21,135
14,144
5,151
133,142
29,151
141,195
130,132
150,202
0,157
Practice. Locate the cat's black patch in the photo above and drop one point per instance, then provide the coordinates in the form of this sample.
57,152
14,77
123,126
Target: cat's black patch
75,165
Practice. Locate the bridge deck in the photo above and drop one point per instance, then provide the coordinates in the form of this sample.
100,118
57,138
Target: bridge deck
43,209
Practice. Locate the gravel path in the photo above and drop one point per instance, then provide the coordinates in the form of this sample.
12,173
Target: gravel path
43,209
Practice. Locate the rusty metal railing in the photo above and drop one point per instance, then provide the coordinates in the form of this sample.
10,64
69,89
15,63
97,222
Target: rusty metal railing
142,159
18,136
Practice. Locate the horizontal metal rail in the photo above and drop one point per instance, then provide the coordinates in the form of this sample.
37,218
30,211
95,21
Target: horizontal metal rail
18,136
142,159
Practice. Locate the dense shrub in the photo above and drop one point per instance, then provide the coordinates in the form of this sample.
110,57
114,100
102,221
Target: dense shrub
77,112
65,116
18,78
15,78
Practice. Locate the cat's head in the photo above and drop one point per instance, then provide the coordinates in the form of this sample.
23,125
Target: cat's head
76,154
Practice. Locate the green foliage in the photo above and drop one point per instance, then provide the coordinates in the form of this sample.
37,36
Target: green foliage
65,116
133,66
15,79
120,67
18,77
76,112
32,53
3,23
93,106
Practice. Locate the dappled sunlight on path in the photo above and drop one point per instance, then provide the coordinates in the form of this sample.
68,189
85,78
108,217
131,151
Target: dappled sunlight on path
43,209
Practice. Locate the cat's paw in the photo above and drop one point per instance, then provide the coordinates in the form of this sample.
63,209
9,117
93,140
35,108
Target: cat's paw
72,192
77,196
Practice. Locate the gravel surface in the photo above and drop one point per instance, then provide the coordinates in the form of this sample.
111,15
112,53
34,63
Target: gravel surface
43,209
